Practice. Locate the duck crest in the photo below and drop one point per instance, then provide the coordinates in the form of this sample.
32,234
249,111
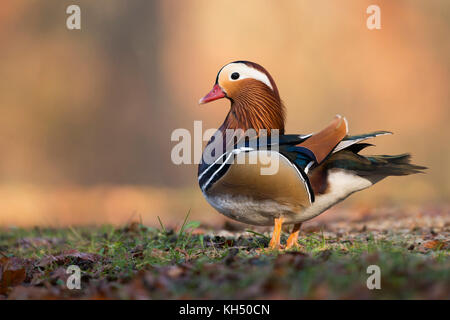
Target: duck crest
255,105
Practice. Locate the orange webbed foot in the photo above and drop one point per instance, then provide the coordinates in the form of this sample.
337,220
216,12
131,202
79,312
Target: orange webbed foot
292,241
274,243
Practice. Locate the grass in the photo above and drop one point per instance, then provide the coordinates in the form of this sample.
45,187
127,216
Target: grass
136,261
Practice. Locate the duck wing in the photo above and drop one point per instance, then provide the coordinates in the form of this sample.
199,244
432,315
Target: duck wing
321,144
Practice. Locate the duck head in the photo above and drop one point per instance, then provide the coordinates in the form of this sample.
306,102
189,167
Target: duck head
254,97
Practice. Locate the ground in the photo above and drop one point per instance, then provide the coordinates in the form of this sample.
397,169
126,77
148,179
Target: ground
193,261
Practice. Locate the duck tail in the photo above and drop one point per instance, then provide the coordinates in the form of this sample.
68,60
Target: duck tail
372,167
379,166
396,165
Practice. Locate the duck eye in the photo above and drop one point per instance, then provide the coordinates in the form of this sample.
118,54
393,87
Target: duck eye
235,76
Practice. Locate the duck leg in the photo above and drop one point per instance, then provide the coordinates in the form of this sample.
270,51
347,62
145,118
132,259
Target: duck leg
275,241
293,238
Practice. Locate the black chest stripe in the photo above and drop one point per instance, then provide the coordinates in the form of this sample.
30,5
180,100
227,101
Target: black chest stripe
215,171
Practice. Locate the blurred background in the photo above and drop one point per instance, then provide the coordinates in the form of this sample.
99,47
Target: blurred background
86,115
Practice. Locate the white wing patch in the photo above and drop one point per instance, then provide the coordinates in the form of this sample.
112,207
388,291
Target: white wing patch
346,143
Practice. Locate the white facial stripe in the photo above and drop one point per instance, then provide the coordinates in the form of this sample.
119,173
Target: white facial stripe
246,72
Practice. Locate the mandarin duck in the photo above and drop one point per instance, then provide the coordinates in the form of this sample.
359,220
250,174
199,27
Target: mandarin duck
315,171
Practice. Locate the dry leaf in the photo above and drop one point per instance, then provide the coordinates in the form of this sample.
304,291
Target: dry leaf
434,245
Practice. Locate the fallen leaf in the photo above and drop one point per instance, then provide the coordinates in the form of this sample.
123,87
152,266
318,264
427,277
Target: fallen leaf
12,278
11,274
47,260
434,245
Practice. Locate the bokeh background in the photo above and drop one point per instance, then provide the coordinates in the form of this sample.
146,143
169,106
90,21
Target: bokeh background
86,115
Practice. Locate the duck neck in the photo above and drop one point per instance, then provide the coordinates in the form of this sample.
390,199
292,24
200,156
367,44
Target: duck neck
255,109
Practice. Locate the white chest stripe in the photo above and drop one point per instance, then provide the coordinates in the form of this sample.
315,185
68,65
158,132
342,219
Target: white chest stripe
214,174
235,151
209,167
